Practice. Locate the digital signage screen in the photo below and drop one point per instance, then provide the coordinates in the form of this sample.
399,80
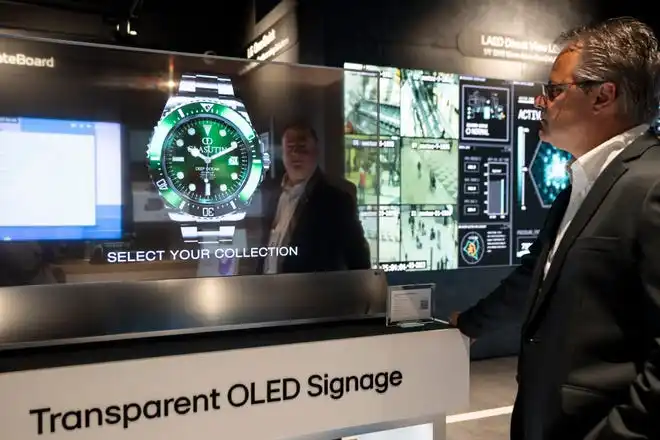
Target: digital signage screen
539,173
147,193
79,166
121,165
454,174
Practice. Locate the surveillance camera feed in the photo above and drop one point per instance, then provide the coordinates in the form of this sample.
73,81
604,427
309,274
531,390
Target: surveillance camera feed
372,127
450,170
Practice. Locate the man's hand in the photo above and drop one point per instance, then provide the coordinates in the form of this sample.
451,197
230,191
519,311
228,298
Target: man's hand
453,321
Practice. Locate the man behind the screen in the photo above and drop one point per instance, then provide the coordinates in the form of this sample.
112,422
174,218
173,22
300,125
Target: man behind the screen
589,365
307,211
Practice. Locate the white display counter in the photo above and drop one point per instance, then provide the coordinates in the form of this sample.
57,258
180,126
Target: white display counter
314,390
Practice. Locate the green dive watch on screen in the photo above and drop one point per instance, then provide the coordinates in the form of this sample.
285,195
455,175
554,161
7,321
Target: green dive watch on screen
206,159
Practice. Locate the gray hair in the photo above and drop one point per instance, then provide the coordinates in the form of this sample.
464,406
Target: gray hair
623,51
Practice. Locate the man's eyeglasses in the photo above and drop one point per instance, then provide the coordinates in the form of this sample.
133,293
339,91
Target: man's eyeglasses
552,90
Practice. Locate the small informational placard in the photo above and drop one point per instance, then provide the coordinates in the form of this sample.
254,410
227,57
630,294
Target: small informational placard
410,304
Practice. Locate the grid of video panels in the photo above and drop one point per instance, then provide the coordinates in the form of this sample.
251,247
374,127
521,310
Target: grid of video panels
449,169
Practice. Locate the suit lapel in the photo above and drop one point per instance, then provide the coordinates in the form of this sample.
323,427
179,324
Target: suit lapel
270,192
584,214
298,212
550,229
555,216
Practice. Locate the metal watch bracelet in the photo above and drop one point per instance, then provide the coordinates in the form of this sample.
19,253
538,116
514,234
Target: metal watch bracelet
208,233
211,86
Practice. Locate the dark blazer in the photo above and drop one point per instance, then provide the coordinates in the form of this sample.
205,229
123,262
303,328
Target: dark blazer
589,365
325,228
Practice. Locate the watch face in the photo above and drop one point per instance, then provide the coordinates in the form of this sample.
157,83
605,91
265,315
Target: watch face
205,159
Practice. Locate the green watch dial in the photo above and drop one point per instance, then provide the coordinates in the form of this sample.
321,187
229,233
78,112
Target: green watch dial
205,159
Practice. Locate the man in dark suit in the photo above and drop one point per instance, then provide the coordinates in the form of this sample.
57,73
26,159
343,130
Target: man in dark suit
311,212
589,365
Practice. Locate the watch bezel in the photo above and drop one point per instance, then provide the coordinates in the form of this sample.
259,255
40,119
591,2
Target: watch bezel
172,198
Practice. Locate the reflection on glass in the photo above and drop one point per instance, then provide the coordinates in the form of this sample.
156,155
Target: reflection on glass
132,165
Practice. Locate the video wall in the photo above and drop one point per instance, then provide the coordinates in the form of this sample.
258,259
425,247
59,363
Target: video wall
449,169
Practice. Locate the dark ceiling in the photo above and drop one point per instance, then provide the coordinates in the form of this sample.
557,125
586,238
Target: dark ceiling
203,25
110,8
191,26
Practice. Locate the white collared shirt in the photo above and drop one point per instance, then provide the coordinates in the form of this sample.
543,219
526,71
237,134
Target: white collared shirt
584,172
286,206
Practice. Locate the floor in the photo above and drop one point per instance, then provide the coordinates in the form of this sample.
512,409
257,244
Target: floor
492,392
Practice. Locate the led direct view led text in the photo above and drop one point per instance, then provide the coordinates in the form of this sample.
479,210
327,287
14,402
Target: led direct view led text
199,254
48,420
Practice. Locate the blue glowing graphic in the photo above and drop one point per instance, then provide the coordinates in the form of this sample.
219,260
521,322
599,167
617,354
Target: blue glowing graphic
548,172
472,248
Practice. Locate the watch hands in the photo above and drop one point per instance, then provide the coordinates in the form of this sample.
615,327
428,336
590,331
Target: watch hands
223,152
194,152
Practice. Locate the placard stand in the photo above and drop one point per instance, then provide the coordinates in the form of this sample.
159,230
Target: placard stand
411,305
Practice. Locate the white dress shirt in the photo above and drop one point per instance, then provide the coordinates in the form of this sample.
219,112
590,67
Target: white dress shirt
584,172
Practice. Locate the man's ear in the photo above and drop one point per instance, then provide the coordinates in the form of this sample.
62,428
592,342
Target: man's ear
604,96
